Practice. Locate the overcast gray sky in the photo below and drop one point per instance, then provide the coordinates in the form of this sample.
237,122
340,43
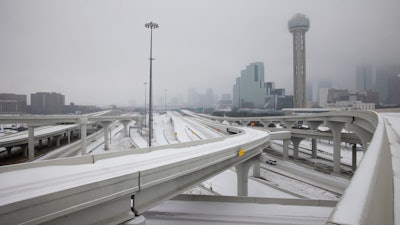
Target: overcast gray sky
96,51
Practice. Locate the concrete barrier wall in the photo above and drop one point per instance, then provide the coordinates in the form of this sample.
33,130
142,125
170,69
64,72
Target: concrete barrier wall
258,200
369,199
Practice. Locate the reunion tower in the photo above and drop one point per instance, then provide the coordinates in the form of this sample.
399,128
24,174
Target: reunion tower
298,26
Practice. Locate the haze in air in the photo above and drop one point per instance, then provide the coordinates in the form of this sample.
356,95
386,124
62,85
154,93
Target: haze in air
96,52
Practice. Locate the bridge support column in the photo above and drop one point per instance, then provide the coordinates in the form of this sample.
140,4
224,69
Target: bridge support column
314,148
25,149
336,128
288,124
286,148
31,142
364,135
242,173
48,141
256,169
9,151
58,140
125,123
106,126
354,157
296,142
83,121
69,136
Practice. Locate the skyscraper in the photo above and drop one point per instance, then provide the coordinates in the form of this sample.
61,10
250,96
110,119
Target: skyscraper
249,91
298,25
364,77
47,103
387,83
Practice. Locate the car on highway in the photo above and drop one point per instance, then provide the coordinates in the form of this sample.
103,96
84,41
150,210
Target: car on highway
270,161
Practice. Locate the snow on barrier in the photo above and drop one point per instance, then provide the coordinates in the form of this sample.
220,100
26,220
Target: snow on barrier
108,188
369,199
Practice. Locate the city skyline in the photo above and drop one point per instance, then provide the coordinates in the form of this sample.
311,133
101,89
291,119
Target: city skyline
97,53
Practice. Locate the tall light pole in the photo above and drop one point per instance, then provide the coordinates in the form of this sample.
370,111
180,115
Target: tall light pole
145,103
165,101
152,26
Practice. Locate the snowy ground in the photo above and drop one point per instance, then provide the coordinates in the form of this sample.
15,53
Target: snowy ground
271,184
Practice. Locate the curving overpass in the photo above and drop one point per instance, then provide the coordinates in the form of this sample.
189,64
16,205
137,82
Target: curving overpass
104,188
373,196
58,126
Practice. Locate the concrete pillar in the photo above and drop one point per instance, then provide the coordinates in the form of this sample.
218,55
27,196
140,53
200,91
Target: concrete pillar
296,142
106,126
336,128
69,133
265,123
314,148
364,135
125,123
256,169
58,140
48,141
31,142
9,151
242,173
25,149
286,148
354,157
288,124
83,121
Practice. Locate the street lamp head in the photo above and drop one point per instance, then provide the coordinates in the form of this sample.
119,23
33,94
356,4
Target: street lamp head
151,25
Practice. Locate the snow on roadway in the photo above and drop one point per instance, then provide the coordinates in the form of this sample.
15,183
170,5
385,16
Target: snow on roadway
222,213
225,184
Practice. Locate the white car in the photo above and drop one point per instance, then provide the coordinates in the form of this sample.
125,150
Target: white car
270,161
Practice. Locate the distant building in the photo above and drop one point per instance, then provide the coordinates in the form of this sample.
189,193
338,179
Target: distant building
284,102
193,97
80,109
12,103
47,103
249,91
225,102
352,105
387,84
329,98
323,97
206,100
364,75
298,25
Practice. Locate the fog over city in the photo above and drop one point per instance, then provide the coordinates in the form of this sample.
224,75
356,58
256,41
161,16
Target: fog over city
97,51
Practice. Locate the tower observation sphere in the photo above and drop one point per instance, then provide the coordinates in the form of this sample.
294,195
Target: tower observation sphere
298,25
